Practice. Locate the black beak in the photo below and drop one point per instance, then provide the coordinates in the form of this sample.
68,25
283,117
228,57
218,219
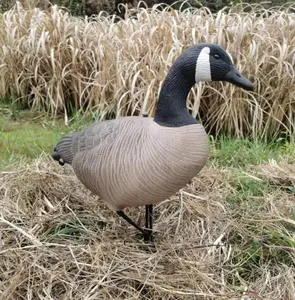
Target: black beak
236,78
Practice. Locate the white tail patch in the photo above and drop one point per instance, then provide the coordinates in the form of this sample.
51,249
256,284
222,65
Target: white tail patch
203,70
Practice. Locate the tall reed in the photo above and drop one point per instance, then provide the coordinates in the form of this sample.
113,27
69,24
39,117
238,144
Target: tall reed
53,61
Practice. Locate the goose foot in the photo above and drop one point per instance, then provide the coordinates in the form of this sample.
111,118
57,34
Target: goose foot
147,234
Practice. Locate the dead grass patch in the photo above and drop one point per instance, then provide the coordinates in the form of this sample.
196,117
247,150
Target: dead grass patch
277,173
58,241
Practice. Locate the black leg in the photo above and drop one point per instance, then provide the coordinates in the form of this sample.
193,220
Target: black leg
151,215
125,217
149,222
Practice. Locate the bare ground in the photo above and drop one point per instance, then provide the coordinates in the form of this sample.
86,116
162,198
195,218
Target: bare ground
214,239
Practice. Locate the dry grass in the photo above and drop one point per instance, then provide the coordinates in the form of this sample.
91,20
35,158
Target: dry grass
51,60
59,242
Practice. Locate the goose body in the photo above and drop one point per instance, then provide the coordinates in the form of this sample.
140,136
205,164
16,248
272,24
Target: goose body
134,161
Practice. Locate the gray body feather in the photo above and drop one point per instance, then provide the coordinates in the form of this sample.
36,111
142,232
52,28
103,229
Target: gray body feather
134,161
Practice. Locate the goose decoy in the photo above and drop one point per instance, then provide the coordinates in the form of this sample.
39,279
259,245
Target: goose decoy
134,161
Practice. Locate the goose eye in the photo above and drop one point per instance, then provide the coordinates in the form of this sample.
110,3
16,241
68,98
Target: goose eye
217,56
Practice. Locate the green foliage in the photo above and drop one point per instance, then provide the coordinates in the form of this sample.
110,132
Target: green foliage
28,133
25,134
265,244
72,228
238,152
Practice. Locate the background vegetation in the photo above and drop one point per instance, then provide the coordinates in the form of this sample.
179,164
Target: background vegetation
90,7
53,61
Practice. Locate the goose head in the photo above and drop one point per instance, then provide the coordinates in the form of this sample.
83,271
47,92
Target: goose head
215,64
212,63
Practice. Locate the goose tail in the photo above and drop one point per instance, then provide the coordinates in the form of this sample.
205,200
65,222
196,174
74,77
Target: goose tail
63,152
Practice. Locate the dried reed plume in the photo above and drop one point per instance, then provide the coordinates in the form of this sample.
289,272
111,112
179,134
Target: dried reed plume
51,60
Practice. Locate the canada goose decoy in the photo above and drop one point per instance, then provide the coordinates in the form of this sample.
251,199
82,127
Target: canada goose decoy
134,161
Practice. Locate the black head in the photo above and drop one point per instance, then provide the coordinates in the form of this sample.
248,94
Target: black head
213,63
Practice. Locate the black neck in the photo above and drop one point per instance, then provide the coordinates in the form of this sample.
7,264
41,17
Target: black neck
171,109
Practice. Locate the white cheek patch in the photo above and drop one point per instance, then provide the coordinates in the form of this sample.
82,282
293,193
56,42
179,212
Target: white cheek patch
231,58
203,70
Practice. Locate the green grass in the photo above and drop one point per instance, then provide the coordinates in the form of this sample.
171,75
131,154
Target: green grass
246,190
73,228
25,134
236,152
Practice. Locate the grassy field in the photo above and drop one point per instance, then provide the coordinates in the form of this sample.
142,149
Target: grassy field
227,235
27,133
